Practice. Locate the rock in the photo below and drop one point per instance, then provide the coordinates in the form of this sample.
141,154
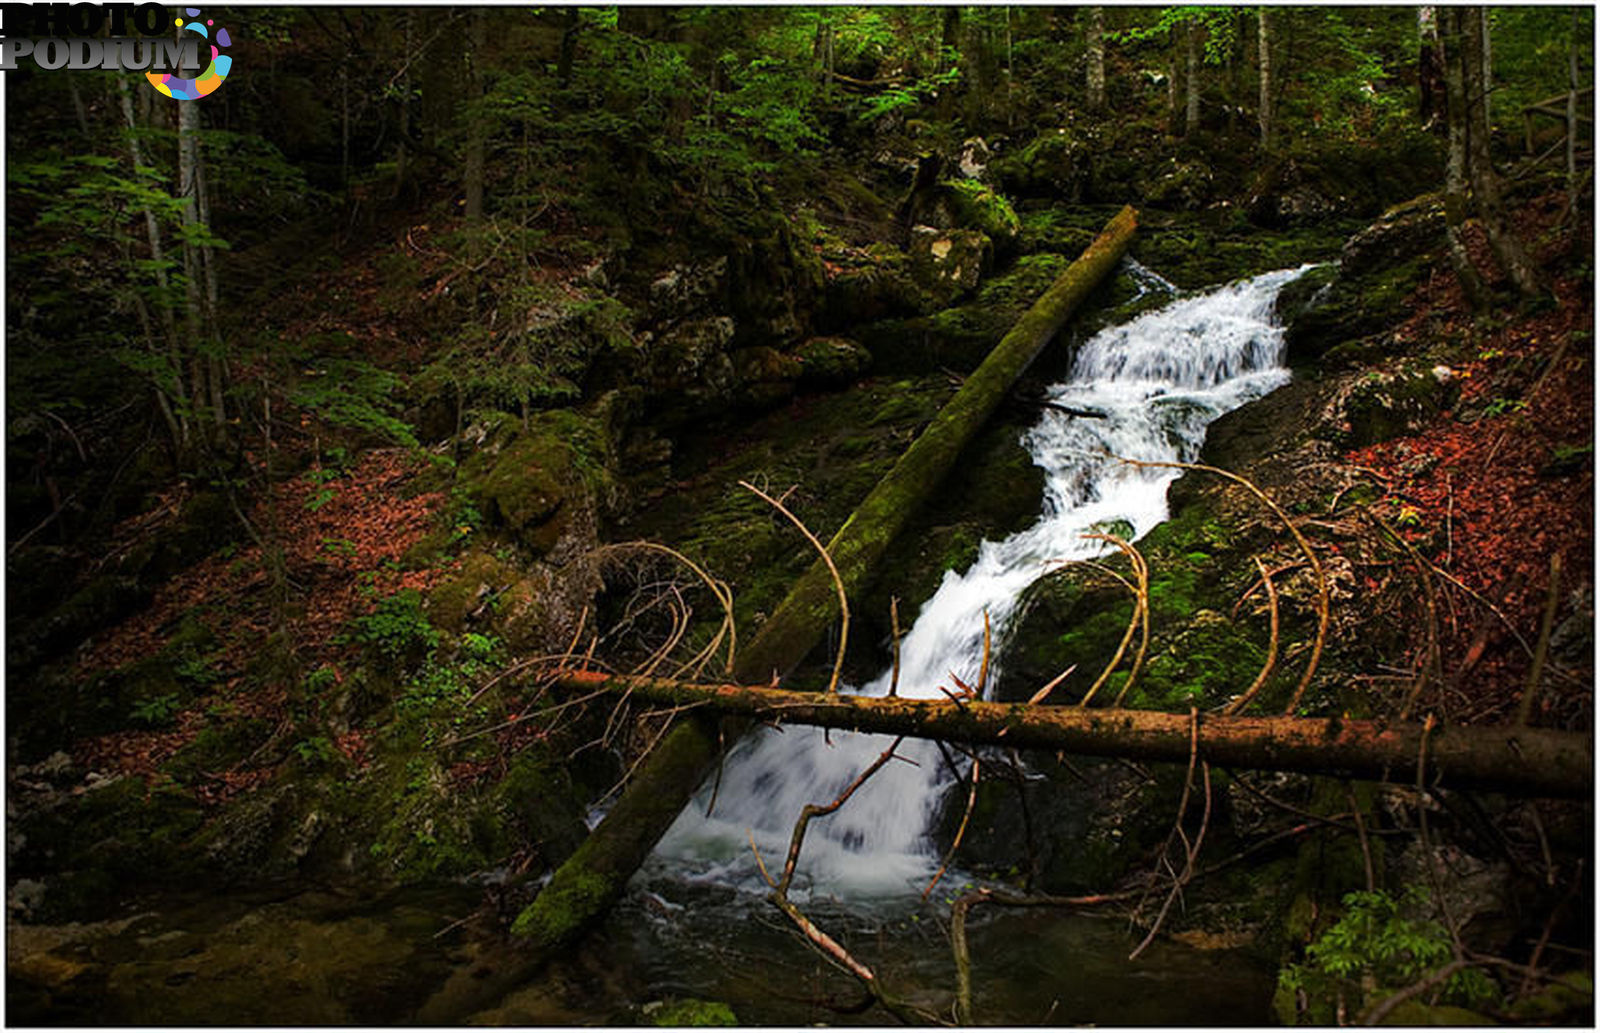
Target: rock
766,375
534,482
974,206
684,289
1058,164
693,354
949,263
1415,229
1382,405
1187,185
866,285
974,159
832,361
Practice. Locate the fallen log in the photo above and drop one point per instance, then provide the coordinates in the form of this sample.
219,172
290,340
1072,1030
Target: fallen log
811,606
588,883
1505,758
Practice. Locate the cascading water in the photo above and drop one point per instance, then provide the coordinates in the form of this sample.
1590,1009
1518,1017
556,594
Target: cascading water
1158,380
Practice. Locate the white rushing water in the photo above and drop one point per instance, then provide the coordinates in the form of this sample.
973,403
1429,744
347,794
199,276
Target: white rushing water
1159,380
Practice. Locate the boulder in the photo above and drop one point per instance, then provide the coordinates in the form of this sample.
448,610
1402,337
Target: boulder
832,361
949,263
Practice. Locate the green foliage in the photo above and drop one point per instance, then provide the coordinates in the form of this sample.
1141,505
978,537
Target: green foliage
1374,940
158,710
354,395
397,628
318,749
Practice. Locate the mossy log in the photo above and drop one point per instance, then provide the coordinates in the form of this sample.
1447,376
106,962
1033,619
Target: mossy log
811,606
1525,761
590,881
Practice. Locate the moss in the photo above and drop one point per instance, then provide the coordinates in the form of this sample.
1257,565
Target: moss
975,206
528,480
217,748
693,1012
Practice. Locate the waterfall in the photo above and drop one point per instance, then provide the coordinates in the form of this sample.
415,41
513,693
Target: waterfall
1158,380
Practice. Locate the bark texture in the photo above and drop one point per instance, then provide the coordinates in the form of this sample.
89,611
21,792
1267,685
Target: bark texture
1510,759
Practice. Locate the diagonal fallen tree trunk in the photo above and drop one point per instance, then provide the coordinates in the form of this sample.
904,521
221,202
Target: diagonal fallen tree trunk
592,879
1504,758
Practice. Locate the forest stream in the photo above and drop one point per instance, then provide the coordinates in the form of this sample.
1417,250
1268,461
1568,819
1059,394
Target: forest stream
696,924
443,500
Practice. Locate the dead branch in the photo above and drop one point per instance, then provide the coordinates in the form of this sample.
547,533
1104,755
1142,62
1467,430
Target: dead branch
1552,597
1272,644
830,949
838,582
1300,539
1141,602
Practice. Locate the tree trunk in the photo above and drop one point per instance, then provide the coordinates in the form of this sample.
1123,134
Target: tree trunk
590,881
194,273
1191,109
1481,173
1095,76
1264,104
812,605
1456,200
1520,760
1430,73
472,167
178,421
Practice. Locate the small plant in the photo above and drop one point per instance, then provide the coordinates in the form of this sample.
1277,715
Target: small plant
318,749
320,679
398,627
339,547
158,710
1409,517
1375,945
1501,406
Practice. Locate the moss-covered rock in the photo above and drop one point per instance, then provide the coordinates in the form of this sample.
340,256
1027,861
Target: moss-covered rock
1384,404
832,361
1058,163
949,263
690,1011
975,206
532,479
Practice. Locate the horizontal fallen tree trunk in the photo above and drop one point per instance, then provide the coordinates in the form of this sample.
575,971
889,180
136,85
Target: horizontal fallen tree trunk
1519,760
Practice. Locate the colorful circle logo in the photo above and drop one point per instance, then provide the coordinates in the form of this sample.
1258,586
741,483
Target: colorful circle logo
207,81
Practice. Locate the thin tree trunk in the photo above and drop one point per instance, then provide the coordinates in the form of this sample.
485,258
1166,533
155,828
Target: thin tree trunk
1430,82
1264,104
194,273
178,421
1531,761
215,363
1096,73
472,171
1572,113
1457,203
1481,174
1191,111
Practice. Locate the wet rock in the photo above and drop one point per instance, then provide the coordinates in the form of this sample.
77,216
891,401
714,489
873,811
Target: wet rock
1058,163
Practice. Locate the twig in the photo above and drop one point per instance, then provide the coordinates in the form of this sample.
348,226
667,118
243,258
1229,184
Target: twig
1378,1012
955,844
1038,697
1361,834
1272,644
1134,619
894,644
1552,598
1191,851
1305,547
838,582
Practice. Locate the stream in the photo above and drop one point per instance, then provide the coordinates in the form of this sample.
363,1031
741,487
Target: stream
696,922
